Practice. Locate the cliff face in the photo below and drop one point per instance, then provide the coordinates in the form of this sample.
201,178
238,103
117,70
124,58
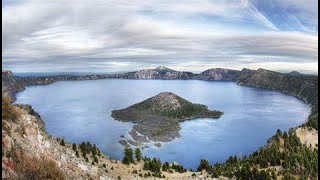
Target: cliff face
10,84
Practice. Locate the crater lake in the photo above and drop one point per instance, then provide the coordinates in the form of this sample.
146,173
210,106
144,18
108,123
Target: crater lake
80,111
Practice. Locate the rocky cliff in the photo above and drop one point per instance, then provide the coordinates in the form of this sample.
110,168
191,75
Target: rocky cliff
11,84
27,149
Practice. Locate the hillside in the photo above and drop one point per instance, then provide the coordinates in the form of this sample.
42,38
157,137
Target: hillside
158,117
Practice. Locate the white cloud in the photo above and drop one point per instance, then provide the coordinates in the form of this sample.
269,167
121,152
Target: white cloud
121,34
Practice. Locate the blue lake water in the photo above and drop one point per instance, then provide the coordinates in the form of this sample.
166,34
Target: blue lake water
80,111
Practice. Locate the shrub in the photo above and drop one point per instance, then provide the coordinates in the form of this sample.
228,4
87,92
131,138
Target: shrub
31,167
62,143
204,164
8,110
74,147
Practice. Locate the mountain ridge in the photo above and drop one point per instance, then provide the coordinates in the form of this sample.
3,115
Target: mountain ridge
303,87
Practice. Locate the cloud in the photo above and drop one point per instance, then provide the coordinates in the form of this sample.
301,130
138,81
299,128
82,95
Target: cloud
122,35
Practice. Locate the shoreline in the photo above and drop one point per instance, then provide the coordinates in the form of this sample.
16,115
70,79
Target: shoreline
298,96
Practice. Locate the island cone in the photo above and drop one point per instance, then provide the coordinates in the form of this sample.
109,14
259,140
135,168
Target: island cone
158,117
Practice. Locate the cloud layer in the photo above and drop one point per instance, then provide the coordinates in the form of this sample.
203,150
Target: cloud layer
100,35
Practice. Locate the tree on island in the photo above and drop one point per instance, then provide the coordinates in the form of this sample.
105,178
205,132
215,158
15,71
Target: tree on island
138,154
128,156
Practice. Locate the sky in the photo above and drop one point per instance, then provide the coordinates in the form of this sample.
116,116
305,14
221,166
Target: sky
126,35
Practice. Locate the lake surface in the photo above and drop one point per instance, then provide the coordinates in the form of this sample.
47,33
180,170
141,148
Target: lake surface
80,111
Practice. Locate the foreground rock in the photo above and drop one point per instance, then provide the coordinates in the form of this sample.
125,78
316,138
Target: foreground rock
158,117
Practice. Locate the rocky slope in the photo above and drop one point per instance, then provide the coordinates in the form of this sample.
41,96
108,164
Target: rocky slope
11,84
24,139
158,117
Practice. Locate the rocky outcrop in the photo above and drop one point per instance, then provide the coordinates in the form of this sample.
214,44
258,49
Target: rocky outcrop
158,117
11,84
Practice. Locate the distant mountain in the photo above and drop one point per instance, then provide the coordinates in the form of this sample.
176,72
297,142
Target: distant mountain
158,117
218,74
294,73
160,72
297,73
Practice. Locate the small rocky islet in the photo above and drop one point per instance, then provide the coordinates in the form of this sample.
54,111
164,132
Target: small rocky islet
157,118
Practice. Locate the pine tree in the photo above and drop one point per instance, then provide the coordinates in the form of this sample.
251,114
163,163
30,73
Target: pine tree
128,156
138,154
62,143
96,159
74,147
204,164
77,153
